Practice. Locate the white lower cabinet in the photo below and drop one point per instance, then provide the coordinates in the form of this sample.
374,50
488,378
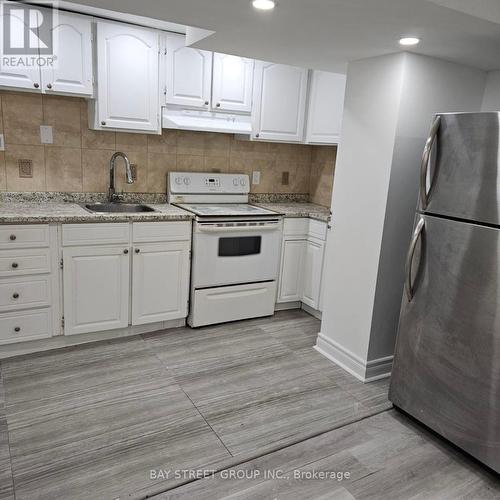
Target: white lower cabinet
292,259
312,273
29,285
302,255
96,288
142,277
160,282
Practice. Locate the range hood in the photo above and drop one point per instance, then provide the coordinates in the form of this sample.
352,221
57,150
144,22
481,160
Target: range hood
207,121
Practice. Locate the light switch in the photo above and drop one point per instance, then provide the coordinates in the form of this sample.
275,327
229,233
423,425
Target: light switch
255,177
2,143
46,134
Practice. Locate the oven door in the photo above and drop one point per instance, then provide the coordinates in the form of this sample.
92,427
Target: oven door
226,253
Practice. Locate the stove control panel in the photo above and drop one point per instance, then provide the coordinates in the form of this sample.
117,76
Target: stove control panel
207,183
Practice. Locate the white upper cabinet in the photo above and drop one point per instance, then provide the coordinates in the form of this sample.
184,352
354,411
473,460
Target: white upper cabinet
232,83
72,69
127,77
17,76
188,74
279,102
326,106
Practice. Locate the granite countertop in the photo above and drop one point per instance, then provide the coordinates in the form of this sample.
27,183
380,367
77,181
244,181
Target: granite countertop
24,212
310,210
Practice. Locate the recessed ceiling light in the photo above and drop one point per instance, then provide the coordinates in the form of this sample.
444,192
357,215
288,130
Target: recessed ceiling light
409,40
264,4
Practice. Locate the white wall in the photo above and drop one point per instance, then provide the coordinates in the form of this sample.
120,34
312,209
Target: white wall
361,182
389,106
491,99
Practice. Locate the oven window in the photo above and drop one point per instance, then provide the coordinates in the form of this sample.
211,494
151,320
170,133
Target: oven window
239,246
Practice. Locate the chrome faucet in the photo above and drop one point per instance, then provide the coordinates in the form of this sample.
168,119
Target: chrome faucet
128,170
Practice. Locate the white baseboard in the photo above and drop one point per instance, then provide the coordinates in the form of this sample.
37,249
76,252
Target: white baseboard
57,342
313,312
285,306
366,371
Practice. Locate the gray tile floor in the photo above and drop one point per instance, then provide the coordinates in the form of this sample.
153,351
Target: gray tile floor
94,420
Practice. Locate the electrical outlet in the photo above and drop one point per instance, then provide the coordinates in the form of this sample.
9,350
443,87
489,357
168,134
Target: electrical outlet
285,178
25,168
256,178
133,168
46,136
2,143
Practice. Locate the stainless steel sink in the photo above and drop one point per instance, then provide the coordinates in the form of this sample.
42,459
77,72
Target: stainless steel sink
118,208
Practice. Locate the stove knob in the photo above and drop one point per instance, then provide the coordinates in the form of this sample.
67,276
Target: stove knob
243,181
187,181
235,182
178,180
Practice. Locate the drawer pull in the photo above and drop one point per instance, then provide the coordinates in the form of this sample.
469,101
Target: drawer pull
125,251
15,265
137,250
15,296
17,329
13,237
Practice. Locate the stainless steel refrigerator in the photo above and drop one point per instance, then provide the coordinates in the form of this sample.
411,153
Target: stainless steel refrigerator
447,362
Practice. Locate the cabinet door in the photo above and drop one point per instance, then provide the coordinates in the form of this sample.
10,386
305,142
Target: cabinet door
160,282
72,71
326,106
292,261
279,102
17,76
96,289
128,76
232,83
189,74
312,273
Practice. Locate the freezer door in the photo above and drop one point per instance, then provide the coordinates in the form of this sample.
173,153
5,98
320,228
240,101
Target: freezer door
461,177
447,363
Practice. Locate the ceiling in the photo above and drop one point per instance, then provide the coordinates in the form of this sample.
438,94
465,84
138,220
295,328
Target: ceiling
326,34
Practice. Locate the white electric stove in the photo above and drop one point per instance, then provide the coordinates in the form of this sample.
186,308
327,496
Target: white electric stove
235,251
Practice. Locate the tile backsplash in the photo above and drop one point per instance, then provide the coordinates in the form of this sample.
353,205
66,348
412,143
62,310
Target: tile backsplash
78,159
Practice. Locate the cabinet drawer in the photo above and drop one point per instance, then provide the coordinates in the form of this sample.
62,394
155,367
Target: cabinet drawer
24,293
317,229
20,236
20,262
149,232
296,227
25,325
95,234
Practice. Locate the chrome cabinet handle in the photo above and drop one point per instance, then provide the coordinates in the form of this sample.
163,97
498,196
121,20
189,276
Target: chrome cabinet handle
429,144
409,258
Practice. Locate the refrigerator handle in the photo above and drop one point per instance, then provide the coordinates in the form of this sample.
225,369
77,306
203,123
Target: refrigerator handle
425,161
409,258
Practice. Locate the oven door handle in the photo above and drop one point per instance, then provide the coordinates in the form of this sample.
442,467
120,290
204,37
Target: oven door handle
233,229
